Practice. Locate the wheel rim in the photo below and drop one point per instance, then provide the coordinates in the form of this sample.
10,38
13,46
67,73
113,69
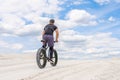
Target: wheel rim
53,58
41,59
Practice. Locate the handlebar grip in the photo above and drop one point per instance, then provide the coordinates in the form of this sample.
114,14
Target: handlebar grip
42,40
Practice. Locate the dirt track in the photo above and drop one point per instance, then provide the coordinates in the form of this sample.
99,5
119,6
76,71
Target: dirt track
22,69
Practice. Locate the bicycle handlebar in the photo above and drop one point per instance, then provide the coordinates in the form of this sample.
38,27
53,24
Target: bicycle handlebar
44,41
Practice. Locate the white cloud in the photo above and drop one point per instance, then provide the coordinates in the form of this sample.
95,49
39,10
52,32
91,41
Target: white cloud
13,46
17,46
76,18
10,23
79,2
95,46
16,14
29,30
70,33
74,3
81,17
112,19
65,24
7,35
12,19
100,55
24,7
19,29
29,51
102,2
15,19
15,25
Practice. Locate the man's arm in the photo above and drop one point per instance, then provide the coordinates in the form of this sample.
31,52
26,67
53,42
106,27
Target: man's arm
43,33
57,35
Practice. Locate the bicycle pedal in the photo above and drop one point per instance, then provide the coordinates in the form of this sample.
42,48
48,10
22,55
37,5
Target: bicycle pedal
49,60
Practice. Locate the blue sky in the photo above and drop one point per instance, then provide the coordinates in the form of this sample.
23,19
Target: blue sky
89,29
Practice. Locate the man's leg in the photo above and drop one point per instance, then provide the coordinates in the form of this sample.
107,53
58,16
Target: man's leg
45,39
51,45
51,52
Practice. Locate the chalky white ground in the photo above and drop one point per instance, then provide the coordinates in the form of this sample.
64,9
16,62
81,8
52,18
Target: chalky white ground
23,67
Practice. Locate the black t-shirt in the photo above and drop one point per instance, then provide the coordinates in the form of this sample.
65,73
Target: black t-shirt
49,29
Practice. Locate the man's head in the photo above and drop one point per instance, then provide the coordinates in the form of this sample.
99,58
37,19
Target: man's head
52,21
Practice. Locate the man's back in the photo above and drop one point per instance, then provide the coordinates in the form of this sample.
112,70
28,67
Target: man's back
49,29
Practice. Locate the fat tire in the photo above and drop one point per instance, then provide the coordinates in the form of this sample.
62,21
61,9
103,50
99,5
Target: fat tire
54,63
38,57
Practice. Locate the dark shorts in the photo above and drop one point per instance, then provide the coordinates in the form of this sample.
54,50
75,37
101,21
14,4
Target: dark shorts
49,40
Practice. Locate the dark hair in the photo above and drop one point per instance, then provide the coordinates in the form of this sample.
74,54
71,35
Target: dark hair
52,20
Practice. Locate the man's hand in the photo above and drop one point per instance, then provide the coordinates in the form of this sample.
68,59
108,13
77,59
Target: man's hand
56,40
57,35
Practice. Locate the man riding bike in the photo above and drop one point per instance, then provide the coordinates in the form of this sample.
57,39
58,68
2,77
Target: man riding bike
48,37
